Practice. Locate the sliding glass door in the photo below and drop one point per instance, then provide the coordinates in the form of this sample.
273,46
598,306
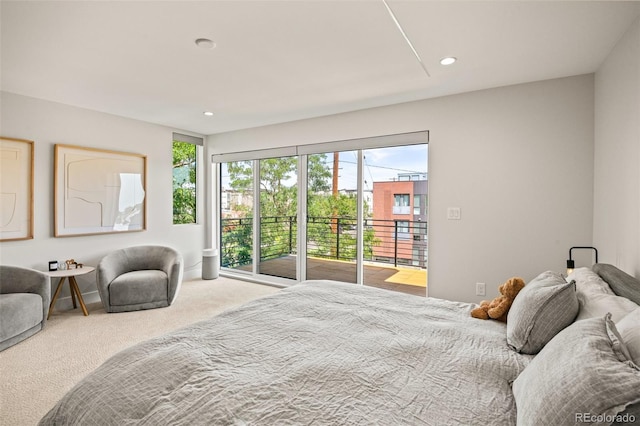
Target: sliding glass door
396,241
278,209
356,215
236,215
332,205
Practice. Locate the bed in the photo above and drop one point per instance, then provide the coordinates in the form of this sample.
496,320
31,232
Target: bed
324,352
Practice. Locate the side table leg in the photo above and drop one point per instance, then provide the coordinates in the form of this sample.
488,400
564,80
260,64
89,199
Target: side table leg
73,294
55,295
74,284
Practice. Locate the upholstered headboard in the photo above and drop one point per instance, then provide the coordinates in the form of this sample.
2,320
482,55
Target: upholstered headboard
620,282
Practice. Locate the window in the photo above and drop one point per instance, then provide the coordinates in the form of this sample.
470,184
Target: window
403,229
185,178
401,200
401,204
416,205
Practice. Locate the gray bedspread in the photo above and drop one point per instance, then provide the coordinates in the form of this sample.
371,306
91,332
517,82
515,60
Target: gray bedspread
317,353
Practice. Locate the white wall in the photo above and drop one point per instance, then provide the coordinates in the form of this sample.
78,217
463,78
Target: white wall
48,123
517,160
616,226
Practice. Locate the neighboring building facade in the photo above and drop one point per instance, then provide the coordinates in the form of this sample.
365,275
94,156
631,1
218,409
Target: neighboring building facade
400,220
231,199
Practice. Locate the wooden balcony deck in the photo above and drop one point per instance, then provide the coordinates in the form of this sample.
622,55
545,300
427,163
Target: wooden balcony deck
403,279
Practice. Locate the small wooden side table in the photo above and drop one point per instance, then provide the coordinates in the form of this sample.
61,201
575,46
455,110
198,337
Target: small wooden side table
73,286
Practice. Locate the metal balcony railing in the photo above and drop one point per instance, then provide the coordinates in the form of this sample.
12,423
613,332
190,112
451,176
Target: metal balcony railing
397,242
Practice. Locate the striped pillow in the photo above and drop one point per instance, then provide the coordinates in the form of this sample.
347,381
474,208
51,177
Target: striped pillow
542,309
584,375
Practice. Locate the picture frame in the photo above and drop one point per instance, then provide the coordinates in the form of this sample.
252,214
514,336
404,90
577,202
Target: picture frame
98,191
16,189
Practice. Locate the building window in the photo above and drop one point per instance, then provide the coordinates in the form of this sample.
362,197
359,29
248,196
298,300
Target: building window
185,178
401,204
403,230
401,200
416,205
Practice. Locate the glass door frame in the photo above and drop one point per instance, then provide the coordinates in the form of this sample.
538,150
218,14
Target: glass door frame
302,152
303,169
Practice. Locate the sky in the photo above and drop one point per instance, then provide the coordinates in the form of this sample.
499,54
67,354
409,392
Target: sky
383,165
380,165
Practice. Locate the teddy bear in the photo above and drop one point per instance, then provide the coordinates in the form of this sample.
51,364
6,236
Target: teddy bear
498,308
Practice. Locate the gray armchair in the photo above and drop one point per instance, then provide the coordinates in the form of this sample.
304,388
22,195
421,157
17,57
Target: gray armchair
24,303
139,277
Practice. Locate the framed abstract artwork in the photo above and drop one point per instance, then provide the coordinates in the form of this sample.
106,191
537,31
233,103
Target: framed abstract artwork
16,189
98,191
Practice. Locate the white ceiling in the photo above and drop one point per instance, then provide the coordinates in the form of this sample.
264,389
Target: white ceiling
278,61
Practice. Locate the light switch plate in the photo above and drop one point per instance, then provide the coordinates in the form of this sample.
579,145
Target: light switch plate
453,213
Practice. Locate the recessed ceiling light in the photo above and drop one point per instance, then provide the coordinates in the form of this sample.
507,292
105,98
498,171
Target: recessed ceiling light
208,113
448,60
205,43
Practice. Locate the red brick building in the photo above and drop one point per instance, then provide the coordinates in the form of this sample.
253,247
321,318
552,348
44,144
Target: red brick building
400,220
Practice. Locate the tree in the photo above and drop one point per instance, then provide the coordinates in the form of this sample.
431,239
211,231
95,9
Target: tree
278,208
184,182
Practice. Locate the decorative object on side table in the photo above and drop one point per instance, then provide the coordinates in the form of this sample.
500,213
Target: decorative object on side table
72,264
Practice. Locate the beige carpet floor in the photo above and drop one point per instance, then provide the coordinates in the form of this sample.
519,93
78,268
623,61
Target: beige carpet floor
35,373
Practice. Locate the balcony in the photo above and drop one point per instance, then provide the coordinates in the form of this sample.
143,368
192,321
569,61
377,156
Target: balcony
401,210
395,252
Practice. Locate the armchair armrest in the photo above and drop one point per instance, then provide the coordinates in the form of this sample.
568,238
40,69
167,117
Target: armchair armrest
174,268
15,279
109,268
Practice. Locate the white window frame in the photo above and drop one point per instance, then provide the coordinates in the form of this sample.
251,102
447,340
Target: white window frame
200,203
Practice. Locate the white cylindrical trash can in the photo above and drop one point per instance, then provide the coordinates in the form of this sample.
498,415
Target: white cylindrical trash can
210,264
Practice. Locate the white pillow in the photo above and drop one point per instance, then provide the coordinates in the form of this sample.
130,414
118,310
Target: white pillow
629,329
596,297
589,282
597,305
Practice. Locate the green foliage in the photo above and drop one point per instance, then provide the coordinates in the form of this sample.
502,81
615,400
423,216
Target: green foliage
319,174
237,242
276,197
184,182
331,219
335,236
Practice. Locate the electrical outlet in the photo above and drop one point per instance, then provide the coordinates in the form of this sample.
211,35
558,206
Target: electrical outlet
480,289
453,213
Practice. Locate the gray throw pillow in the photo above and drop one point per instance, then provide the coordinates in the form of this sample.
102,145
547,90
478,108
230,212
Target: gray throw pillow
542,308
620,282
583,376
